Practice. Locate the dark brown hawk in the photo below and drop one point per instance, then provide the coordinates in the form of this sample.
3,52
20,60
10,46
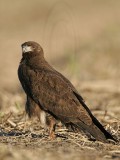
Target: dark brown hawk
54,94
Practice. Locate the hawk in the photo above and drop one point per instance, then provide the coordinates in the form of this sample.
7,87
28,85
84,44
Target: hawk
49,91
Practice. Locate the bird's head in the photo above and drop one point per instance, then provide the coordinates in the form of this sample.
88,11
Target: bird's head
31,47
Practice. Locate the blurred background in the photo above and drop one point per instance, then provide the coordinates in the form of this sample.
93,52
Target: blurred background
81,39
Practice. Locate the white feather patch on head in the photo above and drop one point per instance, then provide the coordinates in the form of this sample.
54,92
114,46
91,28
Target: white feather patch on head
26,49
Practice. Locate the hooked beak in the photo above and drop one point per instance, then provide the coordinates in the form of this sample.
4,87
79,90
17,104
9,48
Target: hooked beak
26,49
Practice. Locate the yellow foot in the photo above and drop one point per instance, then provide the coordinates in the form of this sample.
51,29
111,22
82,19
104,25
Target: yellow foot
52,136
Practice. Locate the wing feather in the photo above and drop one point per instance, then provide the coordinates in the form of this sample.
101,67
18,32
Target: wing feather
57,97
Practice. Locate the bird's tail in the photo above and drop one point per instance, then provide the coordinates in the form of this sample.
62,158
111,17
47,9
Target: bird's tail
96,130
102,129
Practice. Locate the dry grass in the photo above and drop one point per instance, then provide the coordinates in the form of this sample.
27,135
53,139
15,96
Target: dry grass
28,135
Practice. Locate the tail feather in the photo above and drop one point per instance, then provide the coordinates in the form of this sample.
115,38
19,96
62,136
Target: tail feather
96,129
92,130
102,129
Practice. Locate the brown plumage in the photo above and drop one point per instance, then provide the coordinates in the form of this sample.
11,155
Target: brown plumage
54,94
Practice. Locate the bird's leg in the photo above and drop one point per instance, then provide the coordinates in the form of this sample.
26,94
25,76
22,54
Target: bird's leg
52,125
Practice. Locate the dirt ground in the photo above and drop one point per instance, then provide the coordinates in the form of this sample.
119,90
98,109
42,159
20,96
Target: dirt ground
23,138
81,39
